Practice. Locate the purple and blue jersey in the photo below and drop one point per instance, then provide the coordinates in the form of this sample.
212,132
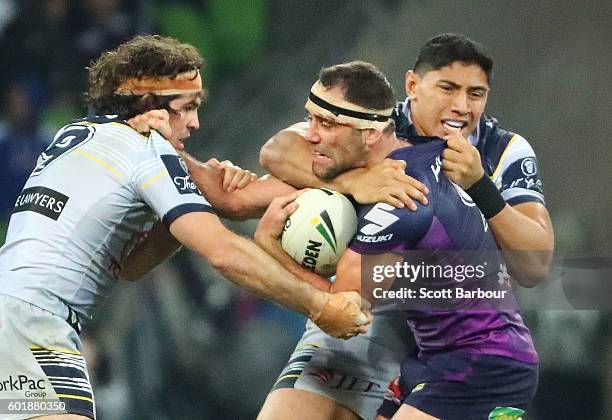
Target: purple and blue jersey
450,232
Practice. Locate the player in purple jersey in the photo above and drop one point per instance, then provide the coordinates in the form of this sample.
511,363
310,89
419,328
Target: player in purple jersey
465,342
447,92
345,131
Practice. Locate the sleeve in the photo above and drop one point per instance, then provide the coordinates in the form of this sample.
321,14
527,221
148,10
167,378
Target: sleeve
384,228
517,175
164,184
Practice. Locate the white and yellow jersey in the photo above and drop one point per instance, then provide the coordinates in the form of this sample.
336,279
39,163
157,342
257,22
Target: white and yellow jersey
95,191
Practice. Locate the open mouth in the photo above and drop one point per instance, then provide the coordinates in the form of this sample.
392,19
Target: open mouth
454,124
319,157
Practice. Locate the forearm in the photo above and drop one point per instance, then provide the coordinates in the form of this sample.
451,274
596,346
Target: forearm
156,247
523,232
266,279
246,264
527,241
276,251
246,203
287,157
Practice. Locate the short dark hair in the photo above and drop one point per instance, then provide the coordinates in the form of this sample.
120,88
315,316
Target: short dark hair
446,49
142,56
362,83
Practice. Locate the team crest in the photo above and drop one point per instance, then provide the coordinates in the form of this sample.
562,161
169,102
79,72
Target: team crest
528,166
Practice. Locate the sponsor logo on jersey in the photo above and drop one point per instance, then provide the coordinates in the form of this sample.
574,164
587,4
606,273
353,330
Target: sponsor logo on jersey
323,375
463,196
528,183
41,200
528,166
419,387
374,239
21,383
436,168
178,173
353,383
394,391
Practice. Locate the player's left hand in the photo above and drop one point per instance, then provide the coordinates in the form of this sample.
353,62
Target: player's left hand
342,316
156,119
272,223
460,160
234,177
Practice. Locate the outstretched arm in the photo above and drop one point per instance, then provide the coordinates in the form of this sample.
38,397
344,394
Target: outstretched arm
248,202
235,193
287,156
250,267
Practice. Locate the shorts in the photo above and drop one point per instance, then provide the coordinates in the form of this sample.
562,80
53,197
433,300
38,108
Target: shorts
463,386
42,370
353,372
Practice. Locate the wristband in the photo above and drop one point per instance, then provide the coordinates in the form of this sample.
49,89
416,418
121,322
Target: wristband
487,197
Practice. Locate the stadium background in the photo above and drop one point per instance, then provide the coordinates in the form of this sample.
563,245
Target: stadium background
184,340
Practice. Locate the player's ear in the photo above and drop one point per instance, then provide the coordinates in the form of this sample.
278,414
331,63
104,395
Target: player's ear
372,136
411,81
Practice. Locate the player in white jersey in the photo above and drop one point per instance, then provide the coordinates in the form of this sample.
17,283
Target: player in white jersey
105,202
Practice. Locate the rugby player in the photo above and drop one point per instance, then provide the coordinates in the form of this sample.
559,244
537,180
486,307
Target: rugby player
106,203
447,91
460,350
288,156
448,86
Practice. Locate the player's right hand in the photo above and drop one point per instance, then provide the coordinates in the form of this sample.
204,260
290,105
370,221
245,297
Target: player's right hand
234,177
386,182
156,119
341,316
461,160
272,224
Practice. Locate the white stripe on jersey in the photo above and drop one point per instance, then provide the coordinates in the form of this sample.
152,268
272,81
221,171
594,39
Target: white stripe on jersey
515,192
517,149
147,168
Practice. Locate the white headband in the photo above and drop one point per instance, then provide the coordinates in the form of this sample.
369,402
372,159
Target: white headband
344,112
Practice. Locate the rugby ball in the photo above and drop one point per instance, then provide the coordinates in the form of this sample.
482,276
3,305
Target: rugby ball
319,231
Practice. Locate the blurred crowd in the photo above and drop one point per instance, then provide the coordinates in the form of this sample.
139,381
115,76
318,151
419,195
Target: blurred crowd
45,46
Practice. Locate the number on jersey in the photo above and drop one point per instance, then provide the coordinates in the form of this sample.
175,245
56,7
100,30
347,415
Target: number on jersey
65,140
